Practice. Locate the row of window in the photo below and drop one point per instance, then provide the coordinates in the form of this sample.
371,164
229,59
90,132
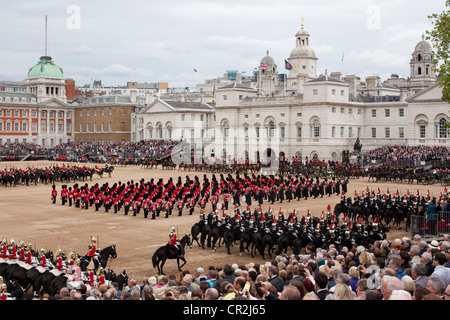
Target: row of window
387,113
440,131
16,99
18,126
333,92
102,112
102,127
21,113
246,116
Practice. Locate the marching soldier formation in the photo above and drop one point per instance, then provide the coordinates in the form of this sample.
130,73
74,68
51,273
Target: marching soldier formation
155,198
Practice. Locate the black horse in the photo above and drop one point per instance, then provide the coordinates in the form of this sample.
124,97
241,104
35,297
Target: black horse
105,254
170,252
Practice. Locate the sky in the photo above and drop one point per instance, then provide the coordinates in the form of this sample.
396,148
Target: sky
117,41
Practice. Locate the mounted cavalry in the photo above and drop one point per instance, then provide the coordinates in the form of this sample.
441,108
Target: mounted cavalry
172,250
28,274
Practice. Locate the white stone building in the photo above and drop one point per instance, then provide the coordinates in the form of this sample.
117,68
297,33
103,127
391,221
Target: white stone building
308,115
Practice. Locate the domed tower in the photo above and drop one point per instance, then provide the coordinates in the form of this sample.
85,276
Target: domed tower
421,65
267,75
303,58
46,80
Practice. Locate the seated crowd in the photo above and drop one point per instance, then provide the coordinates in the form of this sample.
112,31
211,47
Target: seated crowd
403,269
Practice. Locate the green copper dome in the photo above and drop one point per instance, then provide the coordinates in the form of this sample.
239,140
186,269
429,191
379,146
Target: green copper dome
45,68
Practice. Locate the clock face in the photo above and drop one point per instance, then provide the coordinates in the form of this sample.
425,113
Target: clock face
303,67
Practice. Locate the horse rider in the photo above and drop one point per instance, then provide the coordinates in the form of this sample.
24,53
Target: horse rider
60,265
44,263
93,249
174,242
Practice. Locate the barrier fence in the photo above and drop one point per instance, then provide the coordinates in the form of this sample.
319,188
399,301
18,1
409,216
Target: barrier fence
431,226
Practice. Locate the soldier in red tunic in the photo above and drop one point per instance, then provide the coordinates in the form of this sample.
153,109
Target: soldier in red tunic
101,277
29,255
43,262
54,194
3,294
13,251
174,242
70,196
91,280
64,194
93,249
167,208
21,251
59,261
4,252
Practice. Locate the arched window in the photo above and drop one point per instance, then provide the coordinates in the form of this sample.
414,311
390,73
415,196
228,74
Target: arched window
316,129
271,130
226,128
159,131
442,133
419,70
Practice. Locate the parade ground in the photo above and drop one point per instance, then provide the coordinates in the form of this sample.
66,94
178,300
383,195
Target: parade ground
27,214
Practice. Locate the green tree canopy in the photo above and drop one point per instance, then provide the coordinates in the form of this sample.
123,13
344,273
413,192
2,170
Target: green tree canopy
440,38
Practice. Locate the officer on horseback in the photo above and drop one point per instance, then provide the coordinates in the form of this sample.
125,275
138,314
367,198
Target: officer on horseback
93,249
174,242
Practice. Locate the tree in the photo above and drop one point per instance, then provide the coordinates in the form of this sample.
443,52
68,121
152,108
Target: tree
440,38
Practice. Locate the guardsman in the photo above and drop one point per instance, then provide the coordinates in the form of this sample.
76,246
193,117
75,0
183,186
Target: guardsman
116,202
97,200
180,205
153,208
226,199
29,259
70,196
54,194
4,252
64,194
43,258
126,205
191,205
145,205
21,251
91,280
107,201
167,208
101,277
93,249
173,241
3,295
13,251
59,261
77,197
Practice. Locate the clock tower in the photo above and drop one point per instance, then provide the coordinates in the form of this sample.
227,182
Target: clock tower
303,60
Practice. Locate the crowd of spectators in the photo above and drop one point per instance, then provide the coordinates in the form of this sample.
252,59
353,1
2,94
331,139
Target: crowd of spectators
403,269
21,149
398,153
393,153
142,148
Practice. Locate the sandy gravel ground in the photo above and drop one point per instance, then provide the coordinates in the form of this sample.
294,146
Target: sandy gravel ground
26,213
